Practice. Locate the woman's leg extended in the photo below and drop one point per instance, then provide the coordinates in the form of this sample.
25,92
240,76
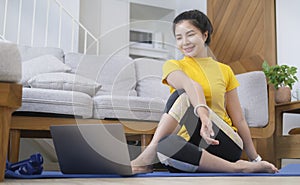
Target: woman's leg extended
178,155
212,163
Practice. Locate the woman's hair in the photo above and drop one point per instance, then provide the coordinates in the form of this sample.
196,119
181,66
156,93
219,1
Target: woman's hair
197,19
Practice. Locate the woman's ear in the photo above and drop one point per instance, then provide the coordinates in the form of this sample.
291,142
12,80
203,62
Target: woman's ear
205,36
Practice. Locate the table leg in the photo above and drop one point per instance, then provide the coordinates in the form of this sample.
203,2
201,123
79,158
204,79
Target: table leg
145,140
14,145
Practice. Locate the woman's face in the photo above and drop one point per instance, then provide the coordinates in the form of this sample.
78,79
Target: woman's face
189,39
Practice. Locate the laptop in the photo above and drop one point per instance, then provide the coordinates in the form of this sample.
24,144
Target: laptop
91,149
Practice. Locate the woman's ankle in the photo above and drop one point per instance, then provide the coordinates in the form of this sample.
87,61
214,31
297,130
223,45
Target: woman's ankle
241,166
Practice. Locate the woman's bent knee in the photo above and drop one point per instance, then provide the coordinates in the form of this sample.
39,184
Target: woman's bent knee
172,152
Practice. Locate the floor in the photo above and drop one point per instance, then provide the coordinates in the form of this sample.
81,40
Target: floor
157,181
165,180
162,180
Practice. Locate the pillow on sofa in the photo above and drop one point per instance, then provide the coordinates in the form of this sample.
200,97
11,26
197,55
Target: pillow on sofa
42,64
65,81
116,74
28,52
149,73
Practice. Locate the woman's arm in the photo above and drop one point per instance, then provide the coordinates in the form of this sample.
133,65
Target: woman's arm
167,124
235,113
179,80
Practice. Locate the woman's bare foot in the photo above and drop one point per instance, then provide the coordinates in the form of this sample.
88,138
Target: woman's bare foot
258,167
143,163
139,166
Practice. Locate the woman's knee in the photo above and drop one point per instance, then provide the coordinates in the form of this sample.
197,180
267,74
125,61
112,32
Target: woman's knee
178,107
170,145
174,151
171,100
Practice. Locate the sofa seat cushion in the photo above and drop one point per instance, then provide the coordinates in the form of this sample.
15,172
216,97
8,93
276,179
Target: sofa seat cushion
57,101
10,63
128,107
253,97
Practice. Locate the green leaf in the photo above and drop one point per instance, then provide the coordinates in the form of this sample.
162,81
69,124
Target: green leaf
280,75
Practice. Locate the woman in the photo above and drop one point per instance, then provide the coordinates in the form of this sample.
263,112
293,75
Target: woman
190,137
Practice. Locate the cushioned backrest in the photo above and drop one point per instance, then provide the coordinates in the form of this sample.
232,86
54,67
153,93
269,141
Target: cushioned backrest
149,73
28,52
116,74
253,96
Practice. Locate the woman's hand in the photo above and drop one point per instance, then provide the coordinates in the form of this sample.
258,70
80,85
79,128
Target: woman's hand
207,132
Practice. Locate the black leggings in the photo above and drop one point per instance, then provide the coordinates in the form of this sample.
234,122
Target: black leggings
179,155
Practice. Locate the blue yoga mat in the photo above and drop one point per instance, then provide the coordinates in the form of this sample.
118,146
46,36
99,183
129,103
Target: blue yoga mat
288,170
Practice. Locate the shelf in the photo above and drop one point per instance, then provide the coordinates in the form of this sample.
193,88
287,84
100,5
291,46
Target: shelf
146,51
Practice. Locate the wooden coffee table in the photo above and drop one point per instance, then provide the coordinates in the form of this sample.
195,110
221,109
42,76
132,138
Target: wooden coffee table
10,100
39,127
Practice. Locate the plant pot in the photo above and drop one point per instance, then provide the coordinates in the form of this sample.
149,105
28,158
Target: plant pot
283,95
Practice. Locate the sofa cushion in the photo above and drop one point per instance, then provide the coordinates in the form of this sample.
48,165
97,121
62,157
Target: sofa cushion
28,52
116,74
130,107
10,63
253,97
57,102
41,64
65,81
149,74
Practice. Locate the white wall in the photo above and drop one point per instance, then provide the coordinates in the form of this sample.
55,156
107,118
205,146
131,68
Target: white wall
288,27
114,26
178,5
191,4
168,4
108,20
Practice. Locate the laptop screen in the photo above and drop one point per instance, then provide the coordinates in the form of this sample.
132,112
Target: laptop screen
91,149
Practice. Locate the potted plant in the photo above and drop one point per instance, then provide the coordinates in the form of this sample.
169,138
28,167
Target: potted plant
282,77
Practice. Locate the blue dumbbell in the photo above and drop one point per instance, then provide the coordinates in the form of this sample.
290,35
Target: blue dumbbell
31,166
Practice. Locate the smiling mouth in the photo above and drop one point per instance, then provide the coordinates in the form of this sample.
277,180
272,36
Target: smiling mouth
188,50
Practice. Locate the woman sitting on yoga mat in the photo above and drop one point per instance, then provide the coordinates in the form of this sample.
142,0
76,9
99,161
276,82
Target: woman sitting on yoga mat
203,128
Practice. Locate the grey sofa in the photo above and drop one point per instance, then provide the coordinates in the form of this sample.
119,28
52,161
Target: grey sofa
91,86
59,87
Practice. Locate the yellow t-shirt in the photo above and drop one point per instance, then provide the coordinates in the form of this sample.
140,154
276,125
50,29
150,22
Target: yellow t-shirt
215,78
